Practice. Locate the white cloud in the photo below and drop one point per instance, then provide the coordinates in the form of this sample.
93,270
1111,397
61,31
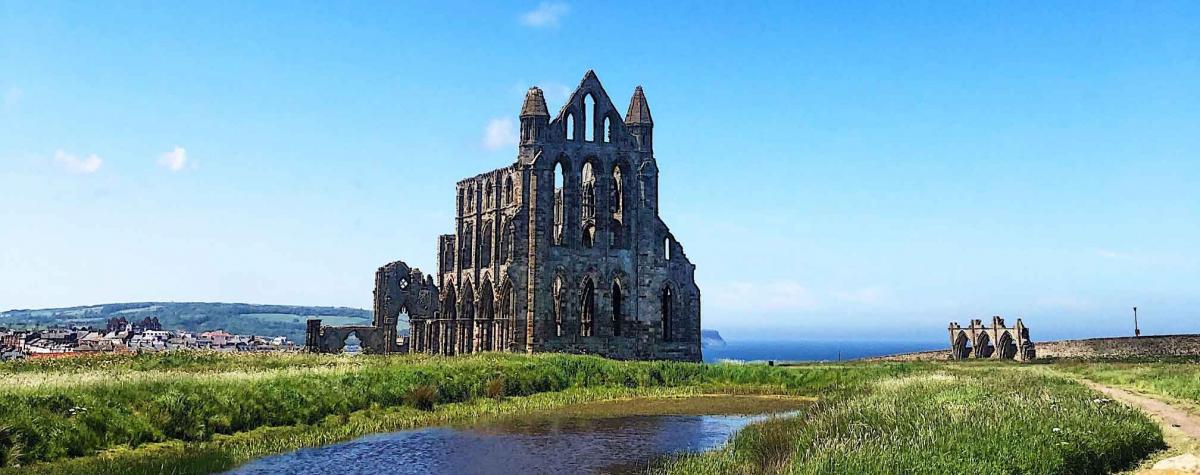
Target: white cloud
1110,254
499,133
175,160
83,166
546,15
12,96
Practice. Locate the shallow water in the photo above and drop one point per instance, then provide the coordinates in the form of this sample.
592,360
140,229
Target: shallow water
533,444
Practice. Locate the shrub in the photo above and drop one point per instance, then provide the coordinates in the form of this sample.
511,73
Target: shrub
495,387
422,397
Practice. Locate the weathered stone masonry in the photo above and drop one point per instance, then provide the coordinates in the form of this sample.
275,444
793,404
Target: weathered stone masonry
997,341
563,250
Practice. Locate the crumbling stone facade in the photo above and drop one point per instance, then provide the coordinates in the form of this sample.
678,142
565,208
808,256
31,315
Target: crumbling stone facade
563,250
399,291
997,341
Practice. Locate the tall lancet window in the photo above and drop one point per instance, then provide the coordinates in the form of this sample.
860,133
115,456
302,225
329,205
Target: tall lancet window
588,179
589,118
587,305
616,204
560,176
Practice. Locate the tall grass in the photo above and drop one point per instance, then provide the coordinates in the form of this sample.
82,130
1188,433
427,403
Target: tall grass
224,452
1178,378
965,421
68,408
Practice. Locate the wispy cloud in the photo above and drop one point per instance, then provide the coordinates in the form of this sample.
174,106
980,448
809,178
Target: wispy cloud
782,296
12,96
866,295
175,160
499,133
546,15
775,296
1111,254
73,164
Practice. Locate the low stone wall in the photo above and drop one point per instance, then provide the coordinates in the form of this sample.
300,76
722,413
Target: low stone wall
1125,347
1121,347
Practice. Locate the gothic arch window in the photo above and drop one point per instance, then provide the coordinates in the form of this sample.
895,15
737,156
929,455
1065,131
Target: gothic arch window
587,306
485,244
588,181
487,195
487,313
617,300
447,257
508,308
508,190
570,126
589,118
462,202
558,307
450,302
667,248
507,237
467,242
608,130
616,201
589,235
668,312
560,178
466,315
616,205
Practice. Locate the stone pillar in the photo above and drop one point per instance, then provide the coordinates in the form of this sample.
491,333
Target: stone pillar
312,336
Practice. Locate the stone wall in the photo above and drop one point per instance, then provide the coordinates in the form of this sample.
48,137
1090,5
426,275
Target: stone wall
1114,348
1123,347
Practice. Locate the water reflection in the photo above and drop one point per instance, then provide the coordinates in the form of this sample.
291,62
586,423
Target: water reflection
529,445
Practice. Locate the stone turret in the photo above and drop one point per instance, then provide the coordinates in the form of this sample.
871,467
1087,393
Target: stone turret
638,121
534,116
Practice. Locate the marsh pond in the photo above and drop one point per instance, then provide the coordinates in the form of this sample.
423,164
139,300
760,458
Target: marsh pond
615,437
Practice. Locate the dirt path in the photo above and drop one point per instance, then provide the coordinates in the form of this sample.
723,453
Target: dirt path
1177,418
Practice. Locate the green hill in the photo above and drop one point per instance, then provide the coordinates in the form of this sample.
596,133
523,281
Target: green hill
238,318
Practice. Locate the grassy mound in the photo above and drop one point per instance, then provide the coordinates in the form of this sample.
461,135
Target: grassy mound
974,420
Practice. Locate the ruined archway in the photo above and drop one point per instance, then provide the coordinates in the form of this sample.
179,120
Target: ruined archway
587,306
506,321
962,346
1006,347
485,319
617,302
466,318
983,345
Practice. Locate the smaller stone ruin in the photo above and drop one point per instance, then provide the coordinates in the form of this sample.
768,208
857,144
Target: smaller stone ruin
400,293
997,341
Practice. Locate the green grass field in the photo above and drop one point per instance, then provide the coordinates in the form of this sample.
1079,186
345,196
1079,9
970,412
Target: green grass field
1176,378
954,420
200,413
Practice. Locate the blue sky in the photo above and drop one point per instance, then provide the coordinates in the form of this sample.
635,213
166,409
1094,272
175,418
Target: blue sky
834,169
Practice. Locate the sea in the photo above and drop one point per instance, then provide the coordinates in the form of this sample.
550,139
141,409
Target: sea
811,350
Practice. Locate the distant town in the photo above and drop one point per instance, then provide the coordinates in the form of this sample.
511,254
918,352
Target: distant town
123,336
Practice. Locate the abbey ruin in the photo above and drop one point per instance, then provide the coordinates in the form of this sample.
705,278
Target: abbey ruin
563,250
996,341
